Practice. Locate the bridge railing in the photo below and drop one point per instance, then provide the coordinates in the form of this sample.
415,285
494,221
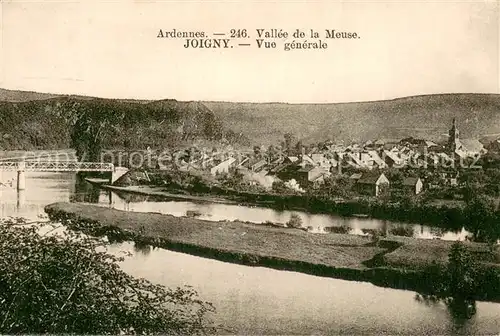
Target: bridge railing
56,166
9,165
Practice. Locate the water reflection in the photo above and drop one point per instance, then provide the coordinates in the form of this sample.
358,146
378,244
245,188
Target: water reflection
84,191
144,249
41,189
462,312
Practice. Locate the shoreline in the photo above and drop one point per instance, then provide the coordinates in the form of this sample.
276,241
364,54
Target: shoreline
393,262
150,191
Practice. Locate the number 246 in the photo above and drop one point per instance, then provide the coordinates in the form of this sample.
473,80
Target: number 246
238,33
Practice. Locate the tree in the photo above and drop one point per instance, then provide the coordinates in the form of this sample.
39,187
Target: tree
336,186
290,143
462,282
257,151
457,284
233,180
65,283
93,124
272,153
299,147
462,273
395,176
481,218
295,221
280,187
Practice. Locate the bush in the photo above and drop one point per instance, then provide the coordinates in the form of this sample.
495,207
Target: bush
402,230
62,283
294,222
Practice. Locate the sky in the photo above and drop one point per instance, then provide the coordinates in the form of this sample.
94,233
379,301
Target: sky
110,49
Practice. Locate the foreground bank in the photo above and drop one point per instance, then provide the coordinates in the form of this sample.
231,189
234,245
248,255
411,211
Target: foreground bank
396,262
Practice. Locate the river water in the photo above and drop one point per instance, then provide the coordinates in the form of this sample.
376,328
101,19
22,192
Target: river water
316,223
256,300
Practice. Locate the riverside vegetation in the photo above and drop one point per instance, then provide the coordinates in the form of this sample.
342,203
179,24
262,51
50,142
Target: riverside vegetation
65,282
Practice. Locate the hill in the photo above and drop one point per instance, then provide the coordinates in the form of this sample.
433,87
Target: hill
22,96
67,121
427,116
25,96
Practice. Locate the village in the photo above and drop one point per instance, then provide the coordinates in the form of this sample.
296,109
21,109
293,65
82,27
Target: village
371,168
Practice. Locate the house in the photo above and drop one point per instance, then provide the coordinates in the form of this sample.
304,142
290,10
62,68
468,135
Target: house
291,159
366,160
222,167
392,159
494,146
258,166
254,164
286,172
277,169
469,148
368,144
472,147
306,160
303,175
372,184
377,160
353,159
413,185
463,147
321,160
389,146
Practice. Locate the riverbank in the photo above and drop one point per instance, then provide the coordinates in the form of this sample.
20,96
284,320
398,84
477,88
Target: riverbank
396,262
160,193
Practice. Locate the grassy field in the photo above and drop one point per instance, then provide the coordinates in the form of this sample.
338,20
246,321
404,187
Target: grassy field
243,238
418,253
260,241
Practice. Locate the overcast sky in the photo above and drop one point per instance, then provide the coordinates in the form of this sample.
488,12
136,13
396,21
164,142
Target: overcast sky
111,49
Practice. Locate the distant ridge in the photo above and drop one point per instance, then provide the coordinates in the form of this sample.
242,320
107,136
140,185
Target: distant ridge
20,95
427,116
7,95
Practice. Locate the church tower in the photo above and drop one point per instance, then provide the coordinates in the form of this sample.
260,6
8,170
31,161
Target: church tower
453,139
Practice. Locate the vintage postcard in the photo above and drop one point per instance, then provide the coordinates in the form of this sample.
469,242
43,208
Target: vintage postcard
250,167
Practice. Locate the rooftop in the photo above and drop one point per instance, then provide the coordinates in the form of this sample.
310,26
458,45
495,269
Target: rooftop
410,181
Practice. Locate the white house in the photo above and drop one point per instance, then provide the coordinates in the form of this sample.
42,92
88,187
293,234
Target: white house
413,184
222,167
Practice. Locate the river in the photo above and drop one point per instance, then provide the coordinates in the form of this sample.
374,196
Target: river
316,223
256,300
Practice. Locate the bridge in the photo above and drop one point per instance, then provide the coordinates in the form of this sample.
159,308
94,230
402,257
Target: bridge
58,166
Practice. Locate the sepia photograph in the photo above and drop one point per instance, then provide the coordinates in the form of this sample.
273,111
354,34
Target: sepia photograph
250,167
